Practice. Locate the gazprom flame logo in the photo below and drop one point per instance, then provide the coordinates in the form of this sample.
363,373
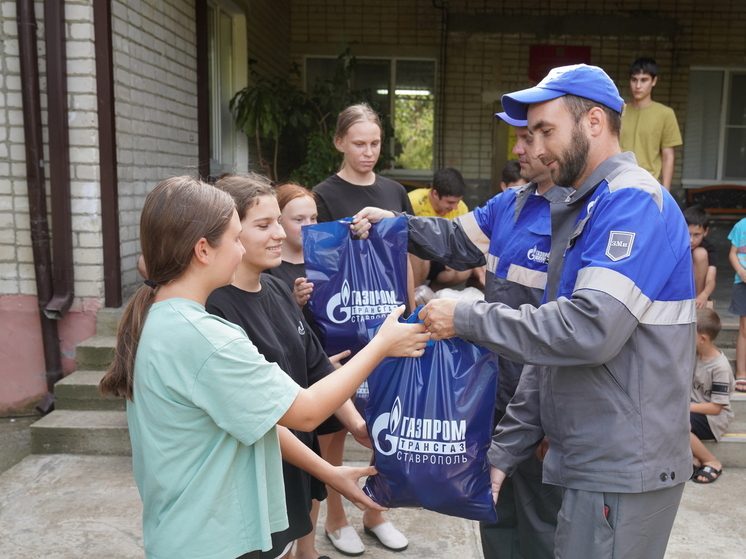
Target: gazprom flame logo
388,422
355,305
339,304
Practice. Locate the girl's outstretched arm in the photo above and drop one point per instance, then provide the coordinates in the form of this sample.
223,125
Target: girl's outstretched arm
317,402
341,478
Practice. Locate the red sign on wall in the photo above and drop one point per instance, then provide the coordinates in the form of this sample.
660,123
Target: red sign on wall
543,58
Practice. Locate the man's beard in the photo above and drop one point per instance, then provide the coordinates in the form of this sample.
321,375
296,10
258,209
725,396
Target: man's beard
573,160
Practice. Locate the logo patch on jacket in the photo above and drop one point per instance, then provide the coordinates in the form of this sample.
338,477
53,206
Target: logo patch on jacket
619,245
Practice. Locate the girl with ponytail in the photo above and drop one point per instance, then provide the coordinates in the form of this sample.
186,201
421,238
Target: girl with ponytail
202,404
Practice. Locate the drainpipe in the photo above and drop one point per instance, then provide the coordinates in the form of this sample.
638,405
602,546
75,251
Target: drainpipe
59,160
107,149
203,92
36,191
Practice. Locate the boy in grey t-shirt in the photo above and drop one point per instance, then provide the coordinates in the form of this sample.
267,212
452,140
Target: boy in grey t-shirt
712,386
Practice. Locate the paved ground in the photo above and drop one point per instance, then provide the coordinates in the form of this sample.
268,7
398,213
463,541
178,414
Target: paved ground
79,507
73,507
15,439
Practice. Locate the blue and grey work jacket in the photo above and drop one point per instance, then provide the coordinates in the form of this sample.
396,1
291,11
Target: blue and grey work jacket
511,232
614,354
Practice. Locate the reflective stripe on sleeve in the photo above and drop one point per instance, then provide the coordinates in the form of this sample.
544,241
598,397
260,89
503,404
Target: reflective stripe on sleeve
492,262
527,276
474,232
624,290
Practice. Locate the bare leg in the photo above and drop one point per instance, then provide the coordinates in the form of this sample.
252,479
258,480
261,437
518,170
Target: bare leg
703,456
410,287
741,349
450,277
420,269
700,263
305,547
332,450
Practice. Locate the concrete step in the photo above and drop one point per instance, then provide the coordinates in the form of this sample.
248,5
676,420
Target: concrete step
738,405
81,432
731,450
728,334
730,354
95,353
107,320
79,391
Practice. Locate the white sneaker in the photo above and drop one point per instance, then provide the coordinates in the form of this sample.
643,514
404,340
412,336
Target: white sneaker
346,541
389,536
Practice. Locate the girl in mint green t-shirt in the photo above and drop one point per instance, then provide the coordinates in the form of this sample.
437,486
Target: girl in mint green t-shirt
202,403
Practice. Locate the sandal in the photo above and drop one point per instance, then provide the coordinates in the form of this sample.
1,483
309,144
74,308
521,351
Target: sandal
741,385
710,474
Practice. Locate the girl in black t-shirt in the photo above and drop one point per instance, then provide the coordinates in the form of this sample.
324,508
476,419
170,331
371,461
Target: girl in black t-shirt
297,209
266,309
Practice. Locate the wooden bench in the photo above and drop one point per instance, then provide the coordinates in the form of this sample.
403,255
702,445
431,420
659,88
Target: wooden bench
726,202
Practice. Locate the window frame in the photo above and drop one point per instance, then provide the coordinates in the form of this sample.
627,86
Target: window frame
393,171
727,73
239,71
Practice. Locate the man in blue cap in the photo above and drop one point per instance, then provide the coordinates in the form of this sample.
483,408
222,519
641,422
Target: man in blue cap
612,351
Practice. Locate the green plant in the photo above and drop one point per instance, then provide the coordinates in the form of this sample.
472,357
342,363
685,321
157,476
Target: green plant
275,110
267,109
327,98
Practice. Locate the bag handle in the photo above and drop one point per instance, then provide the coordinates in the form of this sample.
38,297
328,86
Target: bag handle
414,318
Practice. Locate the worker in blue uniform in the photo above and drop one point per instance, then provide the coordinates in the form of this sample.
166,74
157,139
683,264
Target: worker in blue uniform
512,233
612,356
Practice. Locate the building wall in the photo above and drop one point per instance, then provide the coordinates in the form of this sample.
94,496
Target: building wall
483,63
268,35
155,88
22,373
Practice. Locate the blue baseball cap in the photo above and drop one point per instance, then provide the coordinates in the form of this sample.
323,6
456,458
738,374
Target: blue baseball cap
512,121
590,82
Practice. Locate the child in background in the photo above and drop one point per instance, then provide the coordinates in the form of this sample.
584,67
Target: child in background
202,403
358,136
710,411
703,255
737,257
511,175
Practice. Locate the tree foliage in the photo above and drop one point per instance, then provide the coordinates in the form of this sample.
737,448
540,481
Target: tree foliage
275,111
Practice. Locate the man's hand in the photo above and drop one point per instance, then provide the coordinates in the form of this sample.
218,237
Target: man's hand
496,480
437,316
365,218
700,301
344,481
541,450
302,289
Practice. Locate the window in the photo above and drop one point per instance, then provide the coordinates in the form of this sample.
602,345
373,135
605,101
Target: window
715,138
227,69
404,92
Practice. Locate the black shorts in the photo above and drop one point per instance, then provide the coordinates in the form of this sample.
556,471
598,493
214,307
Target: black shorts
329,426
435,269
738,300
700,427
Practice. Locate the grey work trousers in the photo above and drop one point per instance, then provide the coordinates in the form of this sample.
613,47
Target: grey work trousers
595,525
526,516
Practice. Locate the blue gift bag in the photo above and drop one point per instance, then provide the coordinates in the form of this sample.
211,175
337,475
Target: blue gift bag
430,421
356,283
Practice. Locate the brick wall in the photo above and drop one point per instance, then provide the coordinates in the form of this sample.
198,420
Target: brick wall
483,64
268,36
155,74
16,262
